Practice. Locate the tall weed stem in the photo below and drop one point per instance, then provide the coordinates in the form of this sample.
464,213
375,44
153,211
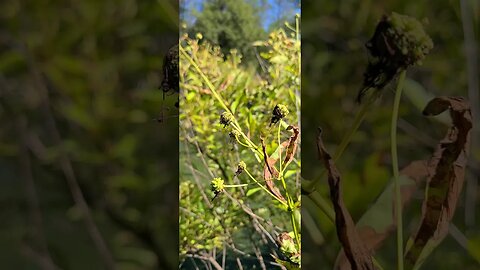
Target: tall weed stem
398,199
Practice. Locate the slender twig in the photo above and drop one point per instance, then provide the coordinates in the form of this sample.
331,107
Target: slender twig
46,260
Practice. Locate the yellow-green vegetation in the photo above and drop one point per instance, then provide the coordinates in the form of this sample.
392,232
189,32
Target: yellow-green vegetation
239,152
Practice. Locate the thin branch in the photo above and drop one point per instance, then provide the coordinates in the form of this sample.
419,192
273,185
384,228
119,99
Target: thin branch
43,256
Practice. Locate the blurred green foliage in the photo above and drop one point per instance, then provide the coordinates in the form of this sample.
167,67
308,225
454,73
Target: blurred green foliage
89,71
207,150
230,24
334,59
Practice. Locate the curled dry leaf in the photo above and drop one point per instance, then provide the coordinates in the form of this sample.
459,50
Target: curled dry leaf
355,250
445,180
270,172
292,146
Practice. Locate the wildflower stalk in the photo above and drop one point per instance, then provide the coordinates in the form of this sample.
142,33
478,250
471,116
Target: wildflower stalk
398,199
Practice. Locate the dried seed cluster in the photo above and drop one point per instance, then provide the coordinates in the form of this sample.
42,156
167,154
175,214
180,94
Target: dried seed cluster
399,41
240,167
279,112
226,118
171,71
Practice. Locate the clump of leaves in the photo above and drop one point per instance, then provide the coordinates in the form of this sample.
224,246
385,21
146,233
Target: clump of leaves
209,231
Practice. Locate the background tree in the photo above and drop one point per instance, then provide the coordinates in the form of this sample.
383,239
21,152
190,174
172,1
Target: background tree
231,24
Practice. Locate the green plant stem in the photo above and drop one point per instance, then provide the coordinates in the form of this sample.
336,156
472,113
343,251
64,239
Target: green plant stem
264,188
324,206
251,144
237,185
242,144
295,230
398,199
280,149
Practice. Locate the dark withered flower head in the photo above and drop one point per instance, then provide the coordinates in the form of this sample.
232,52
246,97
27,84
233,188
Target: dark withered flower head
241,167
234,134
399,41
226,118
170,71
279,112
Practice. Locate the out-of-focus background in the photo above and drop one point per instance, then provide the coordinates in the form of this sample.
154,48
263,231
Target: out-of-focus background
88,178
334,58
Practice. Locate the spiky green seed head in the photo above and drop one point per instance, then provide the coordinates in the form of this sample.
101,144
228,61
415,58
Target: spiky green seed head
217,185
410,38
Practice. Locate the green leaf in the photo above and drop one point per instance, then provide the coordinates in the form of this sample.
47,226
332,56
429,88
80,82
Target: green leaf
279,59
419,97
252,191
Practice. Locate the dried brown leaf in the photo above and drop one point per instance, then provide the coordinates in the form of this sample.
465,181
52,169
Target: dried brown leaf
445,180
355,250
379,221
292,146
270,172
